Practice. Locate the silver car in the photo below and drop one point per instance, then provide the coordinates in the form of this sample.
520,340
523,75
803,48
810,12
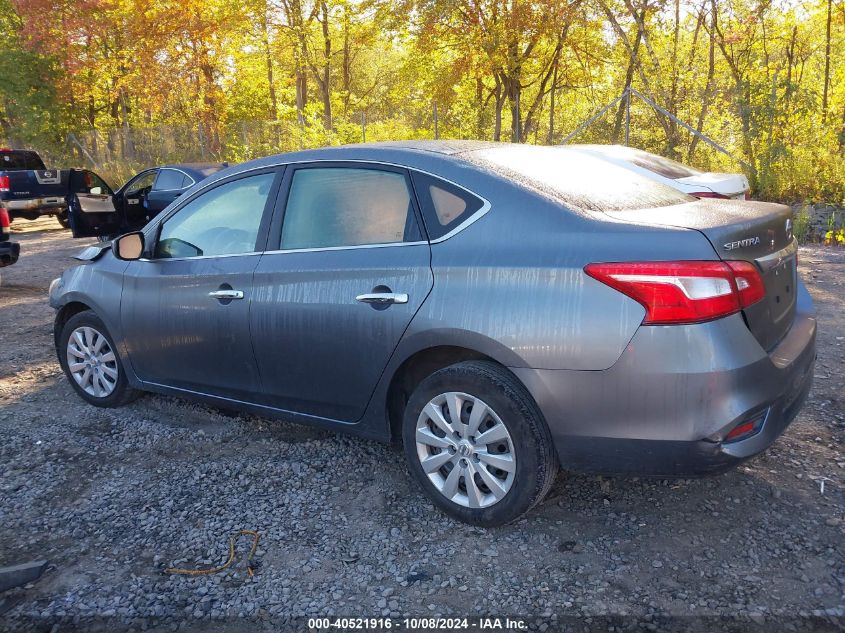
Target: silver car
503,310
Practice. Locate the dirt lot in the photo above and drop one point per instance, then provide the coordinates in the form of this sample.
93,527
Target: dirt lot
112,497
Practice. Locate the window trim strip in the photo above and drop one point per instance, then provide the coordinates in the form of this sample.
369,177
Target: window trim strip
485,207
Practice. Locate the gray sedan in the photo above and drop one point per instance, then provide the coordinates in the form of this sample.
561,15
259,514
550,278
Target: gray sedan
503,310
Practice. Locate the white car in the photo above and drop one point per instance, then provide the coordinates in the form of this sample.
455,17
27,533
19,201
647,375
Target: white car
677,175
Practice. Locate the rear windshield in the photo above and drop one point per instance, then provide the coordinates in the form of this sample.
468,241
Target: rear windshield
579,180
10,161
666,167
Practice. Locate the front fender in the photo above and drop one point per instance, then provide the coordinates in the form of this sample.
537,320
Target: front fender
98,285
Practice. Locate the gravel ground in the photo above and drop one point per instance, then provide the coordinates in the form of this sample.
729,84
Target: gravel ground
112,497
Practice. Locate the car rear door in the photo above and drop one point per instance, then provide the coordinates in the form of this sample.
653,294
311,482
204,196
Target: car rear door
348,271
91,205
185,305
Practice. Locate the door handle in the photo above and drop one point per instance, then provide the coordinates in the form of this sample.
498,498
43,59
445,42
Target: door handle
383,298
226,294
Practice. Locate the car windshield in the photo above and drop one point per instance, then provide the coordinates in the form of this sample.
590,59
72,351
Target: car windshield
579,180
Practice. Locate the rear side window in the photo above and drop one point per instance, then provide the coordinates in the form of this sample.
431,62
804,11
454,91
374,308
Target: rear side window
444,206
168,179
346,206
577,179
10,161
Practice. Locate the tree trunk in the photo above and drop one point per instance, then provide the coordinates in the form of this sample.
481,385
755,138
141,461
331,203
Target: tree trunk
268,59
629,77
842,133
672,139
347,62
531,124
301,92
826,61
325,83
708,89
499,96
551,137
293,12
479,106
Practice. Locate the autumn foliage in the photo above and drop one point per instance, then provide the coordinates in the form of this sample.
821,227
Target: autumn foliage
765,80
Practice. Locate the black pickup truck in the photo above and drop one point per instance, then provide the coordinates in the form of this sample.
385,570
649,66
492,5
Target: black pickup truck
28,189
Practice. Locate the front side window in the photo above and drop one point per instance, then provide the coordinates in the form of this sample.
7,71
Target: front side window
84,181
168,180
94,184
222,221
348,206
144,181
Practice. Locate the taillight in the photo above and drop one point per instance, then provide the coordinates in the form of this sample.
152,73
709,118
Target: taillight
4,183
749,284
5,222
709,194
748,195
683,291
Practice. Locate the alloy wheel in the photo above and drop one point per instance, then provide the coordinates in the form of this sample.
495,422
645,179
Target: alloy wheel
465,450
92,362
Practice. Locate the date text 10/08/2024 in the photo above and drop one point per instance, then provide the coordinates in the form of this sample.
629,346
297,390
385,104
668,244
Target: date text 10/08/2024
418,624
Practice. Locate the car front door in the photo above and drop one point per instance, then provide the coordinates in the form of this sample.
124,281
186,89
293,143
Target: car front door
348,270
91,205
185,305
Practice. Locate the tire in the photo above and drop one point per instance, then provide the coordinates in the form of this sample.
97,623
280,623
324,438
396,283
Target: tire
525,447
63,219
112,389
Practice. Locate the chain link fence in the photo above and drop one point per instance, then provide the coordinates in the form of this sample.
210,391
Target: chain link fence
118,153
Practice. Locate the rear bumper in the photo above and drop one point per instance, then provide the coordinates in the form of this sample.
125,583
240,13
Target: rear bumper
9,253
666,406
45,205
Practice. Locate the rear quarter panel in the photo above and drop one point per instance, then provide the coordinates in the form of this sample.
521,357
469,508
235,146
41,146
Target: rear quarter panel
515,279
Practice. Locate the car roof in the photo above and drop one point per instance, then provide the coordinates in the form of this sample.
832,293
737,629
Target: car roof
198,171
468,163
381,150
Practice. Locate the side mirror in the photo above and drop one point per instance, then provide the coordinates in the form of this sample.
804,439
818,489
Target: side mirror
129,247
